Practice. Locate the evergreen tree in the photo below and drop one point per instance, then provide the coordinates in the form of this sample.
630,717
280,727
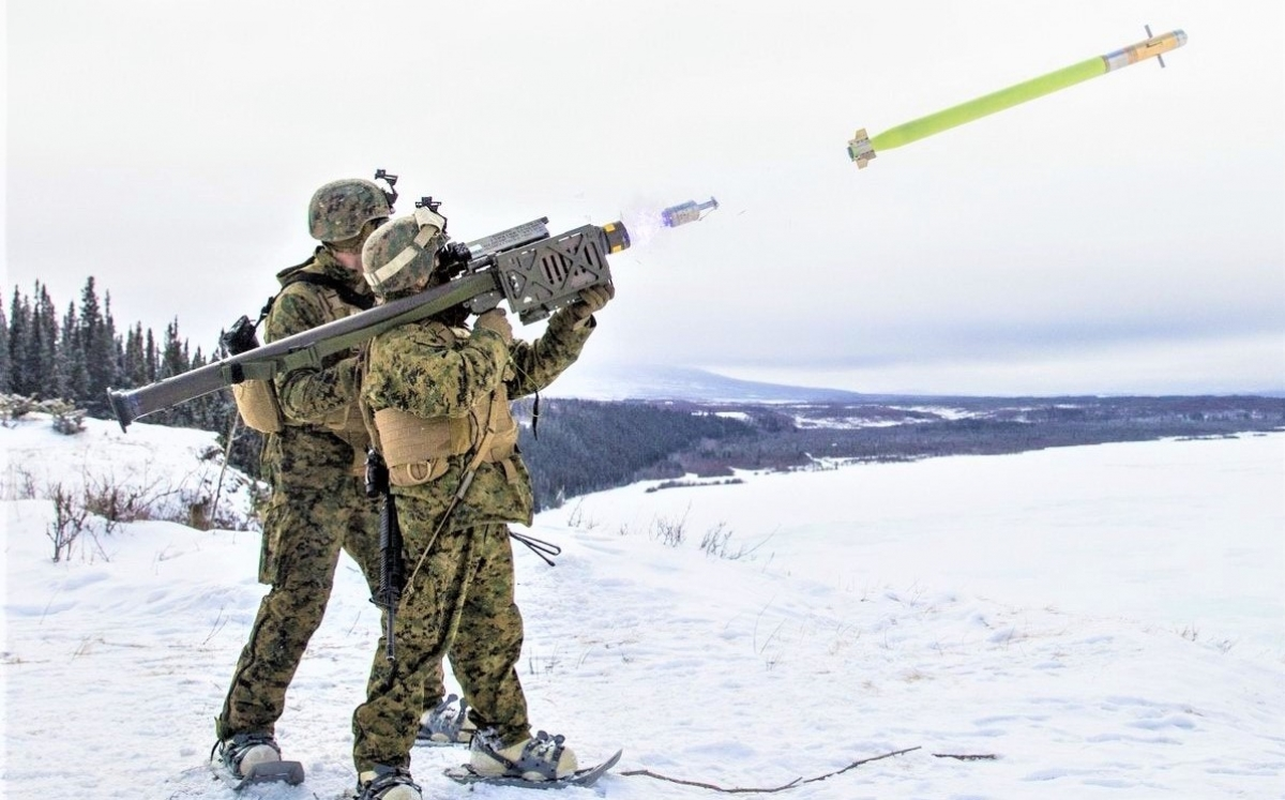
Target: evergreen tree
134,364
20,378
201,411
44,344
73,376
108,346
98,343
150,356
4,352
174,359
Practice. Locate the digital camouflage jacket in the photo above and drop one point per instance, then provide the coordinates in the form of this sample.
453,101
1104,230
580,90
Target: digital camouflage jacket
324,436
417,369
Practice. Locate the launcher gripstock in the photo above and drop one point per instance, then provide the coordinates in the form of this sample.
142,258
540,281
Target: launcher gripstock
535,273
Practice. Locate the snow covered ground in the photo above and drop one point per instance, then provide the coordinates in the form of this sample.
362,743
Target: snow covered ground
1086,622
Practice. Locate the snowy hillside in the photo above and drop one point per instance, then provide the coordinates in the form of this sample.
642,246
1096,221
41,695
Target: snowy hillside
1091,622
152,472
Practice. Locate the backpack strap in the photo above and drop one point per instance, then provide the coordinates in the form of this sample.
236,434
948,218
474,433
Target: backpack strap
339,287
367,414
346,293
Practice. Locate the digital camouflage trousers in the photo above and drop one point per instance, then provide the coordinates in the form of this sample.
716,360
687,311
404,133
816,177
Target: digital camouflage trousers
459,602
303,533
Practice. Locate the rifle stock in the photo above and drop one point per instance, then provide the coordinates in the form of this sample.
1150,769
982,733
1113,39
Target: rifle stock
536,276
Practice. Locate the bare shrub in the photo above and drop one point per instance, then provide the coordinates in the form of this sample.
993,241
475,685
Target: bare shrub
19,484
155,498
117,502
198,516
670,532
578,519
70,517
715,542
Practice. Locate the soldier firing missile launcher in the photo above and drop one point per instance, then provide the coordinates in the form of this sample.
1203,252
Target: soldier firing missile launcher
535,273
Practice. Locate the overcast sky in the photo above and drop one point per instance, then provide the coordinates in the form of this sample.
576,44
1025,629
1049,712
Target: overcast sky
1124,235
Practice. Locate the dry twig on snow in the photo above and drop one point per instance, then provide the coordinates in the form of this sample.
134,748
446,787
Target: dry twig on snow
796,782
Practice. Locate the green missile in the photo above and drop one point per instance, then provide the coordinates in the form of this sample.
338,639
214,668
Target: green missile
862,148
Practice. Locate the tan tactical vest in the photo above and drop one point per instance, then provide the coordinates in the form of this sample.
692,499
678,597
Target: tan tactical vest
417,449
259,408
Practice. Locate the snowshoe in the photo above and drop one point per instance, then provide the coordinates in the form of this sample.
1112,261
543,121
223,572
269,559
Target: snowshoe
446,724
467,774
387,783
249,758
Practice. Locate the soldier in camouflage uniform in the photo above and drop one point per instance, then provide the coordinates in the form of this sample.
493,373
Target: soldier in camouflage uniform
315,465
438,395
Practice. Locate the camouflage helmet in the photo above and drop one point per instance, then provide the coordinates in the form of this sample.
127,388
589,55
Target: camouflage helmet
340,209
397,256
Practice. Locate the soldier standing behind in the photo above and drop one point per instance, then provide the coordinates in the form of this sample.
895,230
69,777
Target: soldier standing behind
439,398
314,464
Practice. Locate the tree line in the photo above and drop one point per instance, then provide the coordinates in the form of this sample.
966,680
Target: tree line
582,446
78,352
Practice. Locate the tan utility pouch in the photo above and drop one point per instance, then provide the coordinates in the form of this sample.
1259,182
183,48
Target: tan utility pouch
347,423
257,403
416,449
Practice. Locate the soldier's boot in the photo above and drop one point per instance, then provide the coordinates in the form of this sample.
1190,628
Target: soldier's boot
542,758
387,783
446,723
244,751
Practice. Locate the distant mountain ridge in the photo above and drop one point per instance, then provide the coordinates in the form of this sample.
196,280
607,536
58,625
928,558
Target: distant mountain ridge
658,383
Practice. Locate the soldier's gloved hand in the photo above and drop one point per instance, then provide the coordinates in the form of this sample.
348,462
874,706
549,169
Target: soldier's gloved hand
592,300
494,320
